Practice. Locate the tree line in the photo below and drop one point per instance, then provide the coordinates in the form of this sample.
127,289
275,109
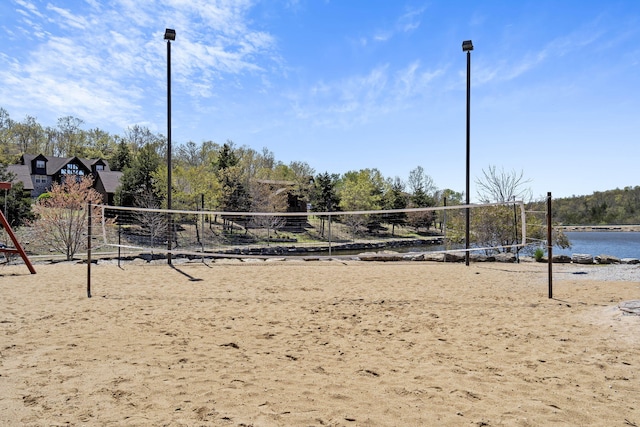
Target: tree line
225,176
619,206
230,178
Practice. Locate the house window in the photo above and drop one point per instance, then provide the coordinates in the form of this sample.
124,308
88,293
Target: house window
99,167
72,169
41,179
40,164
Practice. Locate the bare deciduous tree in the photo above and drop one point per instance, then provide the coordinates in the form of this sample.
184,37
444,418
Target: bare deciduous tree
264,198
154,224
501,186
61,217
420,182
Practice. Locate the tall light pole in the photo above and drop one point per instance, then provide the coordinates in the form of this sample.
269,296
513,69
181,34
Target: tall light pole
467,46
169,36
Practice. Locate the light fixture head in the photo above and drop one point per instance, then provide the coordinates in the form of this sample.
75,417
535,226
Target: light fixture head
467,46
169,34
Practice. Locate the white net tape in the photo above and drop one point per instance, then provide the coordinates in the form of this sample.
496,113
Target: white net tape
494,227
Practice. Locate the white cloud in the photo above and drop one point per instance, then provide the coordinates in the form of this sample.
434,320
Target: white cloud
382,36
107,60
407,22
68,19
505,69
29,8
412,81
362,98
410,20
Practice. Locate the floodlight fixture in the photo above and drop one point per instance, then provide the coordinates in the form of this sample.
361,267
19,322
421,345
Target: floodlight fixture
170,34
467,45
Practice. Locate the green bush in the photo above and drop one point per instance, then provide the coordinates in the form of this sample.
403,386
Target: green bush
539,254
44,196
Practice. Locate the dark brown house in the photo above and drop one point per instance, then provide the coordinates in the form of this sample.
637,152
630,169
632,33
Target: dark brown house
39,172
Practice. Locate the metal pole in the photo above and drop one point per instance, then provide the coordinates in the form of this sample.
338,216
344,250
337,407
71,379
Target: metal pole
329,235
515,228
443,225
119,242
88,249
444,230
202,222
466,238
169,225
549,245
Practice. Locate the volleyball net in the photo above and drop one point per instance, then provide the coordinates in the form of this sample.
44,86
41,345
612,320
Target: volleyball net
493,227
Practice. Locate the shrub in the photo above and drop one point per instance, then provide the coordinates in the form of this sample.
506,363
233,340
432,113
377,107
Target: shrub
538,254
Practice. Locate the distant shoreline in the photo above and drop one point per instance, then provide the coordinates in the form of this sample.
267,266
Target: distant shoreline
596,228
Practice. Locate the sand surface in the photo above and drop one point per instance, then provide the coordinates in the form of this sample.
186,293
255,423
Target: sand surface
325,343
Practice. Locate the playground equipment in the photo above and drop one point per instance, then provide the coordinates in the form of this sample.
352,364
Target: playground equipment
17,248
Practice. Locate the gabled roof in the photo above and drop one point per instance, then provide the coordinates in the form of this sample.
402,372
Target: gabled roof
54,164
26,159
110,180
22,174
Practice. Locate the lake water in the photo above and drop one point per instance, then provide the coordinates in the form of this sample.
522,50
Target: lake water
621,244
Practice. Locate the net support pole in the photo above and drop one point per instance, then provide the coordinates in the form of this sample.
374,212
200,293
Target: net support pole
523,221
89,249
119,242
329,235
515,228
549,245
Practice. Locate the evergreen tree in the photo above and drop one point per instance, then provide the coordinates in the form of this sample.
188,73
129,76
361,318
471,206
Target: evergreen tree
121,158
422,190
227,157
15,203
324,196
234,193
137,180
396,199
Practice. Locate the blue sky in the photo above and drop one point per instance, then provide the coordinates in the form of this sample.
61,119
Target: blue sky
347,85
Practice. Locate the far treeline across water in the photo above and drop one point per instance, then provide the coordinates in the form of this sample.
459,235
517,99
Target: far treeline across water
619,207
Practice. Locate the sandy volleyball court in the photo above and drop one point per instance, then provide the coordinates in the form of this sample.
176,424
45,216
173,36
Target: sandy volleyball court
325,343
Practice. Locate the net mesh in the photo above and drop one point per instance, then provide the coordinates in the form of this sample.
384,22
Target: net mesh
493,228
